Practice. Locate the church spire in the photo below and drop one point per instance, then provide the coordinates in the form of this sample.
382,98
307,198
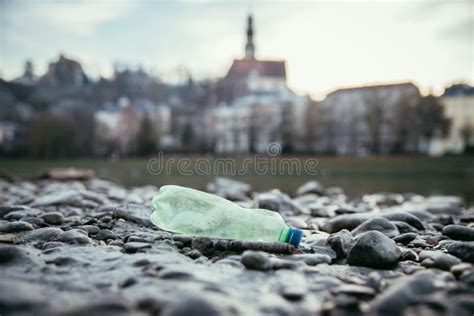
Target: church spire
249,48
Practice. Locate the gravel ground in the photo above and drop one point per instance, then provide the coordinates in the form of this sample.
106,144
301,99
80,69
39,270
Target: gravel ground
87,247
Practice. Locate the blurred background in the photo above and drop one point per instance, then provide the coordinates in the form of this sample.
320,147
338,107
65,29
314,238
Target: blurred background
379,92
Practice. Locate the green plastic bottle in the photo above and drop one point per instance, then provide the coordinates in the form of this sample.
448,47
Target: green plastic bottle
195,213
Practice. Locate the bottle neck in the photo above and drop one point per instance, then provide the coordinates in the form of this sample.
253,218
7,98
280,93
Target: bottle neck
284,234
291,235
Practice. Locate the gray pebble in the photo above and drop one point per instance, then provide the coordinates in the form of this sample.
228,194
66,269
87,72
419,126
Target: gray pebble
256,260
375,250
459,232
53,218
15,227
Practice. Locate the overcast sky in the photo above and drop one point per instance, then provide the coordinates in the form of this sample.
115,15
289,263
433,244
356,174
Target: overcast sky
327,44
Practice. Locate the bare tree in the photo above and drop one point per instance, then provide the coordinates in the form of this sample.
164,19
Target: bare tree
374,118
467,131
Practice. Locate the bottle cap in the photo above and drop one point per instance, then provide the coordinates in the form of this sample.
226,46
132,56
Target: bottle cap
294,236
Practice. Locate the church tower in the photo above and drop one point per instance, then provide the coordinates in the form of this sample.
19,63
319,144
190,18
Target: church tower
249,47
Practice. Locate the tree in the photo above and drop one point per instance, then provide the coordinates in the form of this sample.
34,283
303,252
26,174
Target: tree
403,123
51,137
374,117
467,131
287,128
253,128
147,142
431,120
314,125
187,137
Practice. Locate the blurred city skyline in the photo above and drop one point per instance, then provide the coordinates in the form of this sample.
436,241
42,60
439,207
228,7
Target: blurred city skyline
326,45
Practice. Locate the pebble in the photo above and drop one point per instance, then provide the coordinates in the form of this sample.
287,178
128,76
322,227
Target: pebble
133,247
351,221
310,187
379,224
406,291
405,238
75,237
311,259
256,260
445,262
15,227
459,232
43,234
404,228
229,189
374,250
341,242
409,255
458,269
10,239
90,229
105,234
360,291
53,218
462,250
70,197
12,255
196,306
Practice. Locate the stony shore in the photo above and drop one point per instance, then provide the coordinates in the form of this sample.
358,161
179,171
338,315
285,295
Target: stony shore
87,247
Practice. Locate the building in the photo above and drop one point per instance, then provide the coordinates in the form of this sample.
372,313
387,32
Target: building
28,78
64,73
363,120
118,124
458,102
255,103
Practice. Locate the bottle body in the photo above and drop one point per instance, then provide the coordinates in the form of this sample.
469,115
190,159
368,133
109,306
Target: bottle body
195,213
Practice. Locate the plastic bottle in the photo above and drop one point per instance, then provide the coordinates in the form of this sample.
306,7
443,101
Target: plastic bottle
195,213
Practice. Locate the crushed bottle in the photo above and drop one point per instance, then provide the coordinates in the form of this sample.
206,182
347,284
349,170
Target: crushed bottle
195,213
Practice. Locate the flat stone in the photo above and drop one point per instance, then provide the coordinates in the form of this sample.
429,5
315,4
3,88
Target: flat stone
459,232
311,259
133,247
405,238
105,234
458,269
90,229
53,218
15,227
462,250
74,237
379,224
43,234
197,306
360,291
404,228
20,214
229,189
351,221
374,250
134,213
10,239
310,187
279,202
445,262
70,197
256,260
406,291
